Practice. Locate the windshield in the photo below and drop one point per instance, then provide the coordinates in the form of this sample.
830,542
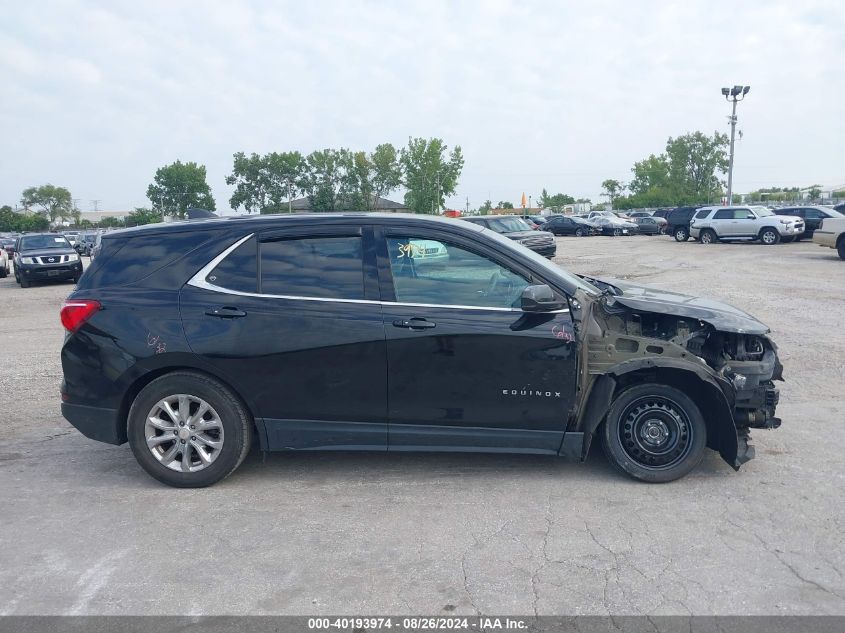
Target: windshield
546,267
509,225
762,212
44,241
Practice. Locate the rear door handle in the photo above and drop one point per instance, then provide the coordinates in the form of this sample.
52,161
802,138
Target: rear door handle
226,312
415,323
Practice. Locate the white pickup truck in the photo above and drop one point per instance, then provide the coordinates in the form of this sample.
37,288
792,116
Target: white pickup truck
831,233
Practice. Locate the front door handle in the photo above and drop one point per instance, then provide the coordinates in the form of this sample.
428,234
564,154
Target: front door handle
226,312
415,323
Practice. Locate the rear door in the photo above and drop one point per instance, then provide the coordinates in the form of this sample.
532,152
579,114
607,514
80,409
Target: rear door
293,318
467,369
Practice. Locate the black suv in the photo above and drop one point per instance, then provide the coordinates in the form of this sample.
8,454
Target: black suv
380,332
677,222
45,257
812,216
518,230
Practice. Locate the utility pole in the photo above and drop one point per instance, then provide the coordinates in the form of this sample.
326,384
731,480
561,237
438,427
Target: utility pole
96,205
735,94
290,210
467,211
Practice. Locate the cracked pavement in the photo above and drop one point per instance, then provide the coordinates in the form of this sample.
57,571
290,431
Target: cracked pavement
85,531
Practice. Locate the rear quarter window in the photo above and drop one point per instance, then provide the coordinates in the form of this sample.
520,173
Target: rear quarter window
126,259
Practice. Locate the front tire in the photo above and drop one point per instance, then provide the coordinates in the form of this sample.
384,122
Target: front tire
769,236
579,232
24,282
681,234
708,237
840,248
188,430
654,433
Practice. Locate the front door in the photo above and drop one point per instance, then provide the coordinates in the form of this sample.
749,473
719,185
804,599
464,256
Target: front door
467,369
295,324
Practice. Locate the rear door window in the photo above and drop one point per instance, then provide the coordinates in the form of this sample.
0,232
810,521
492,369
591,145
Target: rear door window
329,267
238,271
724,214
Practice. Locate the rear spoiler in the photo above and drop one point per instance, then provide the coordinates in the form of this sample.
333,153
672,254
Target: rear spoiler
199,214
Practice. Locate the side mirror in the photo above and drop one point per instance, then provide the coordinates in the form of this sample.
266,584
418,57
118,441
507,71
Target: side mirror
540,298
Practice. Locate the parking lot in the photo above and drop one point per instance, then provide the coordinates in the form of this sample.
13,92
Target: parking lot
85,531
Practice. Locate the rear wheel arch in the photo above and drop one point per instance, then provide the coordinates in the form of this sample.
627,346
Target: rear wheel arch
145,379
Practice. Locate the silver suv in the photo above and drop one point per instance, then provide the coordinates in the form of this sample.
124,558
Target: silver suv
711,224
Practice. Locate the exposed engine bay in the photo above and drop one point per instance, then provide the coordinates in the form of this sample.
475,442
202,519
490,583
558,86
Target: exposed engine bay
746,362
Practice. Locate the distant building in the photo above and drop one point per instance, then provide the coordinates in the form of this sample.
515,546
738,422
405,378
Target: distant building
303,205
96,216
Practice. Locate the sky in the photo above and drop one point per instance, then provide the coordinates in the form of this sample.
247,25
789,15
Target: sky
95,96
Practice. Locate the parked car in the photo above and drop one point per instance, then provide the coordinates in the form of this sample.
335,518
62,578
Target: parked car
840,208
678,222
613,226
711,224
95,247
45,257
534,221
812,216
648,225
639,214
4,264
8,245
567,225
516,229
661,213
85,243
72,237
831,234
192,340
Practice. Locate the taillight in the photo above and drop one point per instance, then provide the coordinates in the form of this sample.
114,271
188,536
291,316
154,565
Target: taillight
76,312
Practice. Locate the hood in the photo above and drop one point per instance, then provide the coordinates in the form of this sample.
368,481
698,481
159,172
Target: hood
46,252
521,235
721,316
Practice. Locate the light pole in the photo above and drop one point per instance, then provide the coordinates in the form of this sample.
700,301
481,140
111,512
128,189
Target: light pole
737,93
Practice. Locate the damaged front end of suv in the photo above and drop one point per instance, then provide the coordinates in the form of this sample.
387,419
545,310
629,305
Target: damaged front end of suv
718,356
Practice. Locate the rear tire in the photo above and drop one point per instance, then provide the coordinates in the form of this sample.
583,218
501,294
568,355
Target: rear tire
681,234
579,232
617,232
840,248
4,272
160,448
654,433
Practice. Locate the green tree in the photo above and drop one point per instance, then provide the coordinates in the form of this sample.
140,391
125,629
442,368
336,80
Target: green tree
265,183
179,187
612,190
504,204
376,175
140,216
650,174
54,202
815,192
694,161
329,180
110,221
556,202
484,209
430,173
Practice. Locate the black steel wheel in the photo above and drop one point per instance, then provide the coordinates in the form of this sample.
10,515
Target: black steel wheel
579,232
654,433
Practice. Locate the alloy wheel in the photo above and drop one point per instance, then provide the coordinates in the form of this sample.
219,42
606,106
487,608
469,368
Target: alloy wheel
184,433
768,237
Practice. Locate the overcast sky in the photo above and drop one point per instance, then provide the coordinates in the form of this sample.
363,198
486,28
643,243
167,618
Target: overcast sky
96,96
